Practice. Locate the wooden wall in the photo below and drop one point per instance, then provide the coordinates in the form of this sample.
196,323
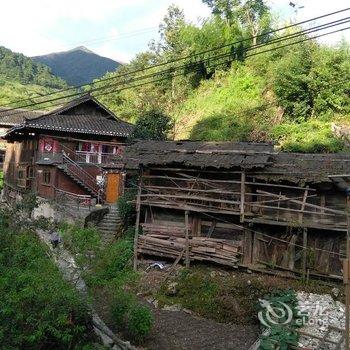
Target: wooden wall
279,226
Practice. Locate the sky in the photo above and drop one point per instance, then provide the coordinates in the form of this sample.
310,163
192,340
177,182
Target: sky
119,28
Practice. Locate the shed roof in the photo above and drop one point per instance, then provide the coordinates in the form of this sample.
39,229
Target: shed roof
261,158
199,154
306,167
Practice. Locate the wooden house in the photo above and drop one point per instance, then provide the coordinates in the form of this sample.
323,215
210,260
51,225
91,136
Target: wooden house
74,151
10,118
241,204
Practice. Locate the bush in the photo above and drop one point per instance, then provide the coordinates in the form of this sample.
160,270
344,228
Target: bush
113,264
131,316
84,242
312,136
122,302
126,208
38,310
139,322
152,125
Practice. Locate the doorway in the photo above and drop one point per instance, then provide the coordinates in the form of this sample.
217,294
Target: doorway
113,187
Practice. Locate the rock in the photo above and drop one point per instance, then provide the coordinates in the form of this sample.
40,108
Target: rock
175,307
322,312
172,289
335,292
213,274
187,311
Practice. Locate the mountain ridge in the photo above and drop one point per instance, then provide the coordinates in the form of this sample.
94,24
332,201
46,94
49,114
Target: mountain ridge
78,66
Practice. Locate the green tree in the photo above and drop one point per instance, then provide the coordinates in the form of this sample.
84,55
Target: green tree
152,125
253,15
292,82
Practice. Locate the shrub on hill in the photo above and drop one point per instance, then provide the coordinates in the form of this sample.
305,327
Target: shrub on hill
38,309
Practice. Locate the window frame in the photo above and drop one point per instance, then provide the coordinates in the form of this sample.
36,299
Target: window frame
46,179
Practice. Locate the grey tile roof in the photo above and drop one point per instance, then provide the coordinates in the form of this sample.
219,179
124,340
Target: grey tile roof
17,117
82,124
97,120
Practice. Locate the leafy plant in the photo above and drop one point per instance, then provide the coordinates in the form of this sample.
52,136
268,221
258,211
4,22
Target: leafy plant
85,243
139,322
152,125
282,335
126,207
122,302
38,309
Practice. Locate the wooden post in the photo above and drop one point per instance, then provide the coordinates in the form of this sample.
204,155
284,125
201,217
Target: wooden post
187,247
242,196
301,215
304,252
346,277
137,224
247,247
256,248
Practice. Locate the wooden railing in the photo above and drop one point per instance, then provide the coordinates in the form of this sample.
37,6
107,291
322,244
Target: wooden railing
97,158
78,200
80,174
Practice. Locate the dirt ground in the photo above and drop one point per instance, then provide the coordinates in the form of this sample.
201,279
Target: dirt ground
178,330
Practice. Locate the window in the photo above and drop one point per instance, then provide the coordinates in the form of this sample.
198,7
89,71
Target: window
30,172
47,177
21,178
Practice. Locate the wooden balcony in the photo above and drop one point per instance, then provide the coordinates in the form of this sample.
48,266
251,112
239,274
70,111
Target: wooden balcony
107,159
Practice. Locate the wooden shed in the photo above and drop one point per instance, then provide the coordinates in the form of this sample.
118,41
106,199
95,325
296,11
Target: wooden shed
240,204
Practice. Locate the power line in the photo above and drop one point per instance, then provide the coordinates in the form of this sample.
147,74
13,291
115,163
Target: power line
168,71
227,54
272,104
113,37
189,56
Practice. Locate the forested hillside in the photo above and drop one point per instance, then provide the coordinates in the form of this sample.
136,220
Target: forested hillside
289,95
78,66
21,77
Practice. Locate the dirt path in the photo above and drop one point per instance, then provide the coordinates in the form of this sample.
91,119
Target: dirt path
178,330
